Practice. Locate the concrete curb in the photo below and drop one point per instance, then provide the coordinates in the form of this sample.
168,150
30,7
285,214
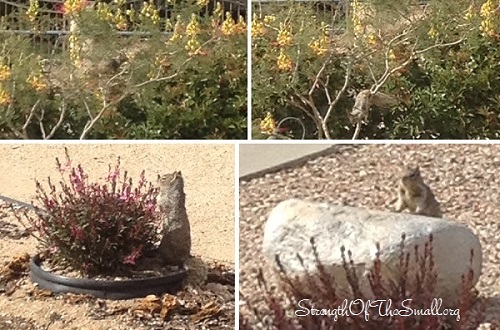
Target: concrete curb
329,149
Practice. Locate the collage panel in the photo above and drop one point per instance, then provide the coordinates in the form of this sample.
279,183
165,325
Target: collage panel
117,236
123,69
369,236
378,70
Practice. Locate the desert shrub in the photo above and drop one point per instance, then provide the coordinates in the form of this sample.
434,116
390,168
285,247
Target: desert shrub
95,227
281,315
165,78
439,62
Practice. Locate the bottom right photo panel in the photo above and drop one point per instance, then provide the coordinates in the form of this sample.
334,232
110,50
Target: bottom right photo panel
365,236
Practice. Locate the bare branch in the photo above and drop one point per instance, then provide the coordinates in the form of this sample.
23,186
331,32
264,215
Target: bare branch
40,123
337,99
87,108
28,120
157,80
439,45
356,131
59,122
307,112
316,113
320,72
15,131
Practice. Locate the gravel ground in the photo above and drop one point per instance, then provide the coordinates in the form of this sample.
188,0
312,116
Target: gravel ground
464,179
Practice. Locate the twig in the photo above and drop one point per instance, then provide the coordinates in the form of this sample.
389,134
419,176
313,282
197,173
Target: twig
28,120
357,130
59,122
40,123
316,113
318,75
87,108
334,103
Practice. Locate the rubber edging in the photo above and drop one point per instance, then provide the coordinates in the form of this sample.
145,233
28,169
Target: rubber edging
125,289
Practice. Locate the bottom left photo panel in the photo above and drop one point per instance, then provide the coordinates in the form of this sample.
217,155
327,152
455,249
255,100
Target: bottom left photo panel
117,236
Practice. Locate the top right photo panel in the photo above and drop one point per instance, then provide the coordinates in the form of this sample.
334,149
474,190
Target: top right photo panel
375,69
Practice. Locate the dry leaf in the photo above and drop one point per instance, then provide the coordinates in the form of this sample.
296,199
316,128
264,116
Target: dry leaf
210,309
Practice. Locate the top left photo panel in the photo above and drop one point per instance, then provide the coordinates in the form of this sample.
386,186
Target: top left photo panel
123,69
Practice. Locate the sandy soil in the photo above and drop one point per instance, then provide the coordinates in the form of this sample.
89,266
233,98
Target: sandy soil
208,171
464,179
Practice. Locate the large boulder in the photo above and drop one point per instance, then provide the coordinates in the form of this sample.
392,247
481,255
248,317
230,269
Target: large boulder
293,223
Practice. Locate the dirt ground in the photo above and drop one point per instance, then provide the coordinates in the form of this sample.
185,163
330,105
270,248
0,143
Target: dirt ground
208,171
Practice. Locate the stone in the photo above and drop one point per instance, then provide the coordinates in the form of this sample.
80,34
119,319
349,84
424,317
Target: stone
175,245
292,224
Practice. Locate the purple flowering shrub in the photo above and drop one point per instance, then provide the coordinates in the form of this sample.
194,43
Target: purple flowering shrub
96,227
278,310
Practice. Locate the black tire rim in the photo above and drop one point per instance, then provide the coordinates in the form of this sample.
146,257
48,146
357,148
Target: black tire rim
109,289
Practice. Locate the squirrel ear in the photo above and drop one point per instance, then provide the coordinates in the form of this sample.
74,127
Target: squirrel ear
174,175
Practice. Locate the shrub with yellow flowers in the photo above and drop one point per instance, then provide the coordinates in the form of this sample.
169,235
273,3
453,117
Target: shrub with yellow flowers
182,75
435,59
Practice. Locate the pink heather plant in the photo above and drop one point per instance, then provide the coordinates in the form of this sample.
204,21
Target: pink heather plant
92,227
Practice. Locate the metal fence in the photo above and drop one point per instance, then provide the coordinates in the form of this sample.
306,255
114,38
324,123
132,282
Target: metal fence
53,26
328,7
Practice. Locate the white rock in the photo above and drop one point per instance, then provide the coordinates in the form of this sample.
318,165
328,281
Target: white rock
292,224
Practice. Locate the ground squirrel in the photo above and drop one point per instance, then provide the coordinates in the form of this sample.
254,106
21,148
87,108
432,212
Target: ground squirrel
415,195
364,101
175,246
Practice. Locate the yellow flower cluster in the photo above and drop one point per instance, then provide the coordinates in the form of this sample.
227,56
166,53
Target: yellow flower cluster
284,36
149,10
104,11
177,33
37,82
268,124
74,7
5,98
133,15
284,62
4,72
193,28
356,20
229,27
268,19
202,3
161,61
193,47
119,19
241,26
258,28
433,32
218,10
487,14
372,40
392,55
320,45
469,13
32,11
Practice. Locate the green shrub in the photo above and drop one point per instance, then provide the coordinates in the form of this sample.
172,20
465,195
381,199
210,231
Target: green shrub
439,62
179,78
